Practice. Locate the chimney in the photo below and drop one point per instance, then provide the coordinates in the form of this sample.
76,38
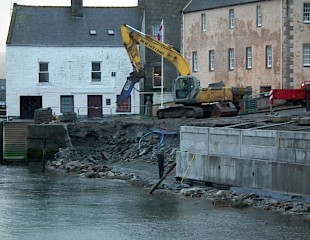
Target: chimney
77,8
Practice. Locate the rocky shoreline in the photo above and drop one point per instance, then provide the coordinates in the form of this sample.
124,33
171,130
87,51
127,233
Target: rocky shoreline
95,164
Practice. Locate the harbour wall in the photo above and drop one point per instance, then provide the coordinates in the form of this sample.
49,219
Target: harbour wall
260,159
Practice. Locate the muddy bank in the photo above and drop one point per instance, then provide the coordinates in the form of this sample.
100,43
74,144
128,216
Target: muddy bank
127,150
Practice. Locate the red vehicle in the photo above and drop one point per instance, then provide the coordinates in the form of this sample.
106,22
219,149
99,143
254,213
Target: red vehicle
301,95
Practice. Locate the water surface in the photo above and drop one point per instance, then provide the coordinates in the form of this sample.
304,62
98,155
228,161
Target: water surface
62,206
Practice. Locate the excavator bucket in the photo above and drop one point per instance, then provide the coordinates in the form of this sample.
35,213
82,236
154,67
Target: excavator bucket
224,109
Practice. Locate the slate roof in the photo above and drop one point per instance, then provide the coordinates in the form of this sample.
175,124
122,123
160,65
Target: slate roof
55,26
198,5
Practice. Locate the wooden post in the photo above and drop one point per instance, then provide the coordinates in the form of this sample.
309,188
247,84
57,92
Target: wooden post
44,155
163,177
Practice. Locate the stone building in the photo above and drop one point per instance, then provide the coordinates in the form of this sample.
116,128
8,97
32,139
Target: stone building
68,59
261,44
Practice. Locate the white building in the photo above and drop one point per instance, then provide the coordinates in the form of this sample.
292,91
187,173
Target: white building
68,59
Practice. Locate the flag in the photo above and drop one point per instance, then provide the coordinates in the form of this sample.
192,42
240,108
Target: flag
160,31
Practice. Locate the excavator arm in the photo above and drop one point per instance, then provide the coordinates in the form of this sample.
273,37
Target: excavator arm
131,38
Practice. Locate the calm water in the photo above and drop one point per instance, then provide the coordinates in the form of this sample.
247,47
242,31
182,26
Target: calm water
59,206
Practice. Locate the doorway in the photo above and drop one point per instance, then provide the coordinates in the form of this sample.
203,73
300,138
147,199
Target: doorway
94,103
28,104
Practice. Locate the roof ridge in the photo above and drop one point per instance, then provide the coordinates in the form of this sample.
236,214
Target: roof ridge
35,6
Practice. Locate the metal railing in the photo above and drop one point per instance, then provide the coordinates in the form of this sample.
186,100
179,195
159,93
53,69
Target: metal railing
85,112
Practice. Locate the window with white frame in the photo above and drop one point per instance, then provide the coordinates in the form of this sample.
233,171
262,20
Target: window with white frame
157,77
43,72
307,12
231,18
96,71
249,58
211,61
268,57
306,55
259,16
203,22
231,58
66,104
195,61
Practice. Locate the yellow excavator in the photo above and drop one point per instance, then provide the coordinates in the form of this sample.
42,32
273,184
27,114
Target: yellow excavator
190,99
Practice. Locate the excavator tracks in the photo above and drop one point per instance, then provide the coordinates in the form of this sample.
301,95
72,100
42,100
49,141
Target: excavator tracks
219,109
178,112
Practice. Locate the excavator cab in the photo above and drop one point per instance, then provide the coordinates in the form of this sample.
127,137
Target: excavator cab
185,89
214,101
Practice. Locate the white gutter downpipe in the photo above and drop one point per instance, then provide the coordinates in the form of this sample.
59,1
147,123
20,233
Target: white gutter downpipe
281,50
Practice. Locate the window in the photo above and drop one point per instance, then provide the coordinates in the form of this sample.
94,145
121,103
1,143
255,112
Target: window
155,30
268,57
306,55
265,89
66,104
231,56
43,72
92,32
96,72
306,12
203,22
211,61
249,58
231,18
156,77
195,61
110,32
125,105
258,16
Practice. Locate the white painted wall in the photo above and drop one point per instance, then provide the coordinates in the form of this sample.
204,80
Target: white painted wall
2,65
69,74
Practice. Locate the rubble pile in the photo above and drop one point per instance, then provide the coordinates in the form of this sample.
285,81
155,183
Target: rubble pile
98,145
224,198
90,163
120,140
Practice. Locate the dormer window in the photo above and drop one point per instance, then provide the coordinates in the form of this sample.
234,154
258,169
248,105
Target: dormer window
92,32
110,32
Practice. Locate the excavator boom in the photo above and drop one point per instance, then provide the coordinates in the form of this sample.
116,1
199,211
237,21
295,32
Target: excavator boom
130,44
131,38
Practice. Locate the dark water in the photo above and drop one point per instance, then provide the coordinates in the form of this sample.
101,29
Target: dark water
59,206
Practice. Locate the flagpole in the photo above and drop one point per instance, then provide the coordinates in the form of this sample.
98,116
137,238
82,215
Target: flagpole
162,72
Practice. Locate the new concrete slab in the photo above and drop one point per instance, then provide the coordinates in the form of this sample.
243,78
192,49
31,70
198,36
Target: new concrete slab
270,160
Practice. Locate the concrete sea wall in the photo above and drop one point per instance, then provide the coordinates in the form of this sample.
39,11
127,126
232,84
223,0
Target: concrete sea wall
50,137
268,160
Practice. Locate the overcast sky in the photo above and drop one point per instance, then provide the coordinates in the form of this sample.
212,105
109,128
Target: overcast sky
6,7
